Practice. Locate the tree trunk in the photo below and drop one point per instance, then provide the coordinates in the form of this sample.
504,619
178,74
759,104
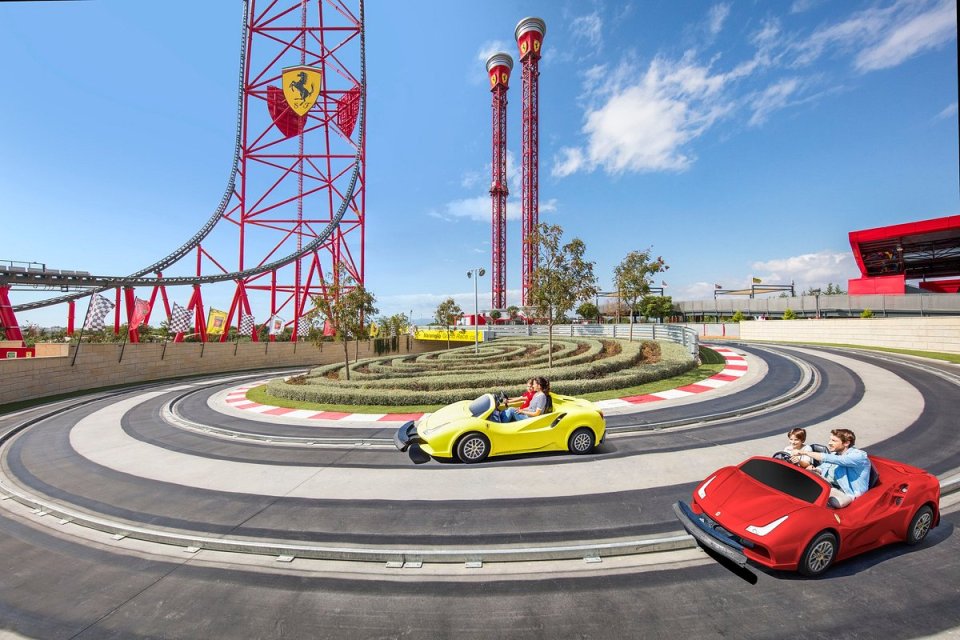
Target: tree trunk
550,343
346,357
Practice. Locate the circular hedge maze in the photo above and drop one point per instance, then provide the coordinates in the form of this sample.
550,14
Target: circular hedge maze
580,365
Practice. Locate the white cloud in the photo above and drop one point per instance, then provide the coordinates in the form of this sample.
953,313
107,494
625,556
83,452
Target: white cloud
884,37
773,98
588,28
901,42
806,270
569,161
949,112
641,121
717,16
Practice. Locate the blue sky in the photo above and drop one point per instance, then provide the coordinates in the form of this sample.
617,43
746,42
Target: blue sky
737,139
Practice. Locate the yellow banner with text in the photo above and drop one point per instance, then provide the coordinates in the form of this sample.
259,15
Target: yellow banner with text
456,335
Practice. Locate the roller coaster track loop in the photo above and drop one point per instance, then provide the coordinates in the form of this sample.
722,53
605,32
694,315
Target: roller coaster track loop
138,279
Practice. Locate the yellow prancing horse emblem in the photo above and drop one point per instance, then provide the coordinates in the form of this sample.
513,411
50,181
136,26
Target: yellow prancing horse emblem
301,86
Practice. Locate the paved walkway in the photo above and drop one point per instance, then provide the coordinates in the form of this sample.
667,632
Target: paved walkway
736,366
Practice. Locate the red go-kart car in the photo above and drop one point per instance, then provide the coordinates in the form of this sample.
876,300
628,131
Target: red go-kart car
775,514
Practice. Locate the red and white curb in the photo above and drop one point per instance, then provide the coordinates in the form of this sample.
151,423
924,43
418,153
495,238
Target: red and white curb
735,368
237,399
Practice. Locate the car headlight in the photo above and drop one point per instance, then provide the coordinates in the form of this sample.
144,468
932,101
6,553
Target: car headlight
702,491
762,531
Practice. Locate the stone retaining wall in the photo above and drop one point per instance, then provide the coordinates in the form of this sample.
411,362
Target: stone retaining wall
922,334
104,365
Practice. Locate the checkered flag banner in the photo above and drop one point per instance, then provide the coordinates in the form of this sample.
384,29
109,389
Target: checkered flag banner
246,324
96,312
303,327
180,319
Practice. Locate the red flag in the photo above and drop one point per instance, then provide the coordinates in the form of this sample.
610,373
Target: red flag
140,310
328,329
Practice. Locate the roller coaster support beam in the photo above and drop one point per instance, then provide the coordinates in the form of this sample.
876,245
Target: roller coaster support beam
8,320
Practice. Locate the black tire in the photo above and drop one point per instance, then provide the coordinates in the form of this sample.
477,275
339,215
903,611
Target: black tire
472,448
819,555
920,525
581,441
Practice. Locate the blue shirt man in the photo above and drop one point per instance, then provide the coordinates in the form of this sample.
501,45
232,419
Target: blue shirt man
845,466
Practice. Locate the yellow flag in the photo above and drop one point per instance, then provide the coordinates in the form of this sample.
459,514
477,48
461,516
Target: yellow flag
216,321
374,330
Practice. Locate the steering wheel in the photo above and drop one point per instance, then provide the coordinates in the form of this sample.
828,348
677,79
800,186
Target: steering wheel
500,398
781,455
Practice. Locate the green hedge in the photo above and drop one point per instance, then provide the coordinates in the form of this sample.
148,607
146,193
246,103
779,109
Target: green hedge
429,384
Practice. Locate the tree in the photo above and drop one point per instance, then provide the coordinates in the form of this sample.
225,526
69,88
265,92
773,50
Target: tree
588,310
656,306
345,307
737,316
789,314
633,275
495,315
447,313
512,311
834,290
393,325
561,276
866,313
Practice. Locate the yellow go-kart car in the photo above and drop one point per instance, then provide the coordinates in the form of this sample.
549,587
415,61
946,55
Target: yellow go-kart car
469,430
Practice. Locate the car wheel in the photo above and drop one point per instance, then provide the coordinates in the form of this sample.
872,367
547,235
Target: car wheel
818,555
920,525
473,447
581,441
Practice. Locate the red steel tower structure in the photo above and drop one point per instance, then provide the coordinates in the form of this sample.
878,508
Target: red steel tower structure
499,66
529,34
299,148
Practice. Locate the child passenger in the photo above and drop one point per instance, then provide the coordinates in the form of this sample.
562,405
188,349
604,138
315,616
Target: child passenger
796,447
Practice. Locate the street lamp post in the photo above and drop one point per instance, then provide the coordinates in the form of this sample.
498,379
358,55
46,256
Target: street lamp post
476,274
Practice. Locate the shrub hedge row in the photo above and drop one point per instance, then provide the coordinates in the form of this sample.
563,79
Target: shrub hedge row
574,375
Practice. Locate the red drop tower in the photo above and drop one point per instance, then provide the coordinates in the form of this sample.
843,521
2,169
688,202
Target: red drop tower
530,33
499,66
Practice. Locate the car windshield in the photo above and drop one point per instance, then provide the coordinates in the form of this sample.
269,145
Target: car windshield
481,405
789,480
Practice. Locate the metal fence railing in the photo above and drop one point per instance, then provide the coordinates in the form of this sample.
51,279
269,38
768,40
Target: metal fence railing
833,306
641,331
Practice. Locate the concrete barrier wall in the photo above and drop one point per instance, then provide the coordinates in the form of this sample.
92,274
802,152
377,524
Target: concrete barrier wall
923,334
103,365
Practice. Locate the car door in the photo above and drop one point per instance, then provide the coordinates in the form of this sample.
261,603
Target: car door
532,434
870,520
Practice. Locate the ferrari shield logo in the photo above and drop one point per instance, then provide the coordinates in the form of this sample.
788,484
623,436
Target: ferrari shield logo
301,86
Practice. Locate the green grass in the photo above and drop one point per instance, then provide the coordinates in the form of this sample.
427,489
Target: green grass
259,394
933,355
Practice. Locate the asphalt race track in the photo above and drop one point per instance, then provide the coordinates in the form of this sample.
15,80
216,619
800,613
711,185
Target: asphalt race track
160,512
